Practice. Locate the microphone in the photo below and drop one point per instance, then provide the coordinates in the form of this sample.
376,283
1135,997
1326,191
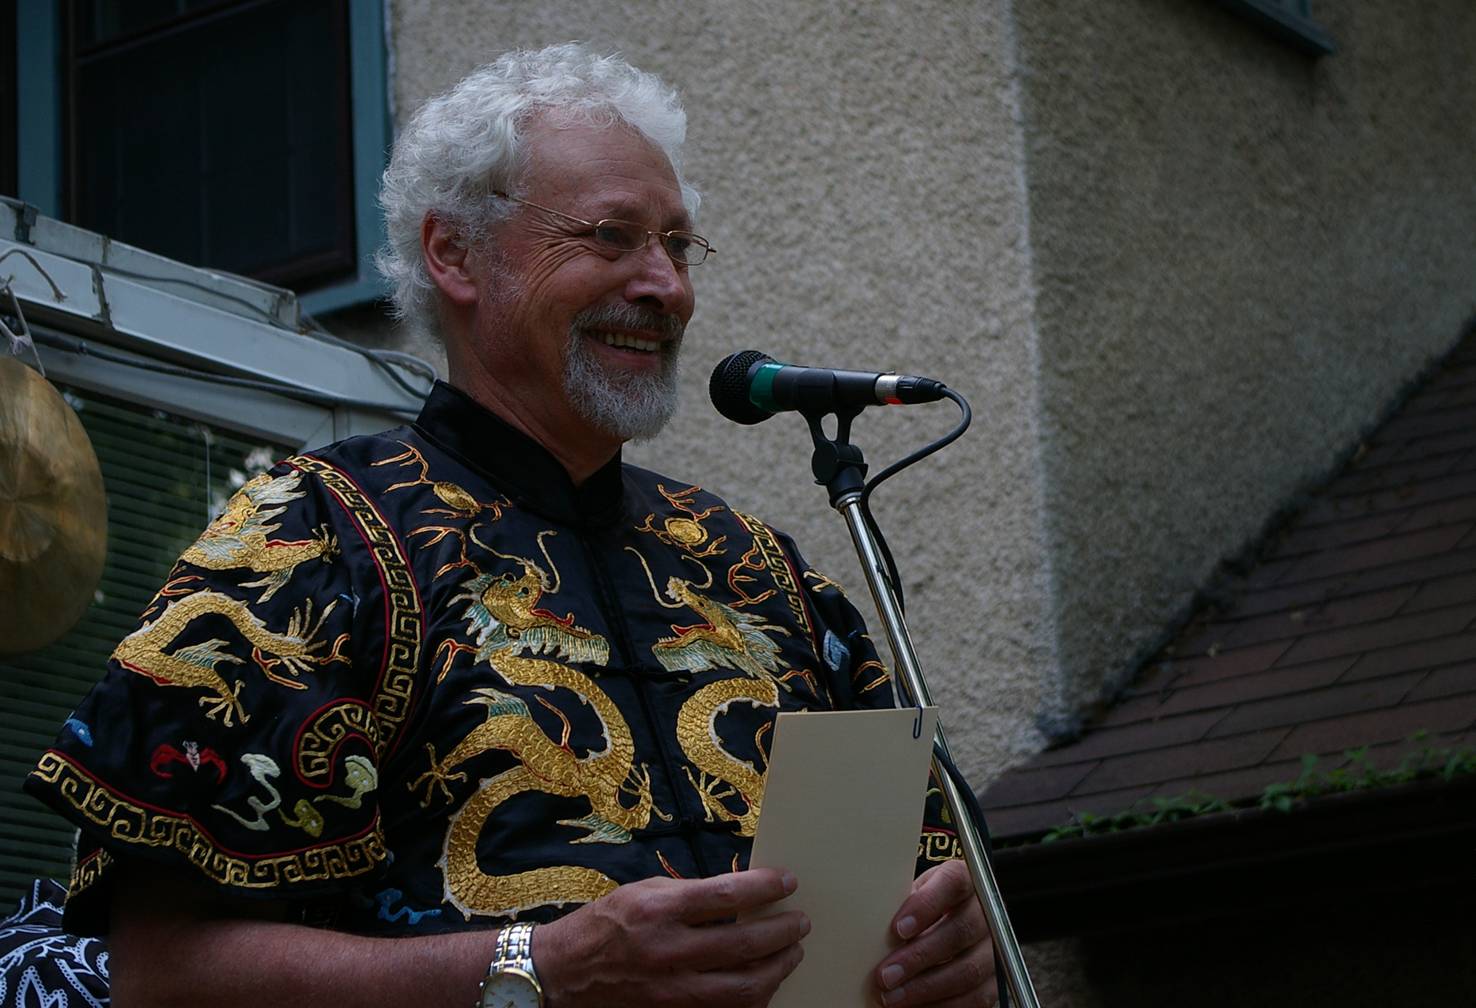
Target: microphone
748,387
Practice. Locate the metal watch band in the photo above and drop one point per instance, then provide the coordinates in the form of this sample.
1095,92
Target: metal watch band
513,950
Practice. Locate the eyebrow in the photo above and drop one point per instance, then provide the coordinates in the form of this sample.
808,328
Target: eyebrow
626,210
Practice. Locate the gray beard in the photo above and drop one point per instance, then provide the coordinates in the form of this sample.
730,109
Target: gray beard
626,405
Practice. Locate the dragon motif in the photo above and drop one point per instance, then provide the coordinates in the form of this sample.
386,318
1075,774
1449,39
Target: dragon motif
503,614
239,536
726,638
605,778
721,774
504,619
194,666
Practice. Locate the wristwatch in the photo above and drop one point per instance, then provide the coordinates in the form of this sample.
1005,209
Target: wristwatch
511,981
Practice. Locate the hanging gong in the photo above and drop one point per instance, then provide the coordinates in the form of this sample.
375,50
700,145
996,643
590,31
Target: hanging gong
53,512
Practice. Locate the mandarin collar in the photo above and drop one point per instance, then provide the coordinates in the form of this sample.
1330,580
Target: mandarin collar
518,465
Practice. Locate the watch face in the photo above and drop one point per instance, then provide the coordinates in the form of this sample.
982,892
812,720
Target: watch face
511,988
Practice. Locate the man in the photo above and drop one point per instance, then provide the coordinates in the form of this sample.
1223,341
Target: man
473,690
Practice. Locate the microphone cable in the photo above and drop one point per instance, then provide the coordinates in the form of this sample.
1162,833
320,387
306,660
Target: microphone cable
864,503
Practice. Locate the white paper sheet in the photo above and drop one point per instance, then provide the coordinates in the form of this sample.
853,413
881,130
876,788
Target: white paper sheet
843,809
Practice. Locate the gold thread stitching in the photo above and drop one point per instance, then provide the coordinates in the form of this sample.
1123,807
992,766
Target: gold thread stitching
778,563
405,627
142,827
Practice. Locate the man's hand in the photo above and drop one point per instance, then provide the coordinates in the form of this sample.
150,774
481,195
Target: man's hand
946,956
673,942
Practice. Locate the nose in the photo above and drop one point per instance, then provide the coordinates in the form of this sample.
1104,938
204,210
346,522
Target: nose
659,282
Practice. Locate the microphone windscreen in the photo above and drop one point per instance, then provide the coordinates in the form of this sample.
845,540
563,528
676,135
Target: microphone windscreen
728,387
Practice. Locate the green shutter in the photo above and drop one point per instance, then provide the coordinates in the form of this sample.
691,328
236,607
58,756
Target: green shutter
165,477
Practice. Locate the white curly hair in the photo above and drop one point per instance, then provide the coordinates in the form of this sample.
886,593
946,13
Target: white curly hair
467,142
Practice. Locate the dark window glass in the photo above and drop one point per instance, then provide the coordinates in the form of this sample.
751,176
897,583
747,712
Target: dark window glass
216,133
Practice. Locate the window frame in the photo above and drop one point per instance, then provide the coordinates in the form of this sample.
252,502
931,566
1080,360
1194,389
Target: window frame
40,168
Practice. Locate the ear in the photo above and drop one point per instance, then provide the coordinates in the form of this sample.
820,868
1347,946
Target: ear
446,258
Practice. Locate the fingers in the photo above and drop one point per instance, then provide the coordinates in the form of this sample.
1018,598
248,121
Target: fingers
935,892
966,980
961,930
947,956
752,985
729,944
654,943
720,946
723,897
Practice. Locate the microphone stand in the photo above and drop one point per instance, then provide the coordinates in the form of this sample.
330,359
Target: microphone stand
839,467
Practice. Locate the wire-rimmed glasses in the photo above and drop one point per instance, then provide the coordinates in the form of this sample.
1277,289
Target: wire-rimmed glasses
684,247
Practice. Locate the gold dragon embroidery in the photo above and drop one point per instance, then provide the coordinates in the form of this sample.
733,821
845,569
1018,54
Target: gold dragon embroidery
728,638
194,666
239,536
720,774
460,504
546,765
502,615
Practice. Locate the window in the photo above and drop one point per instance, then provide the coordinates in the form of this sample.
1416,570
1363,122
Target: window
1289,20
218,136
239,135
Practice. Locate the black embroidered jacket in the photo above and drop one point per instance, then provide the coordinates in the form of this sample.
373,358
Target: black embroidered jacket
420,681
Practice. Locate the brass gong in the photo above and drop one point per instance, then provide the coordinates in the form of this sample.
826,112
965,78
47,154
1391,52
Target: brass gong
53,512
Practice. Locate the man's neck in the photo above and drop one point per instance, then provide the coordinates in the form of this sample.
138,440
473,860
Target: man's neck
579,449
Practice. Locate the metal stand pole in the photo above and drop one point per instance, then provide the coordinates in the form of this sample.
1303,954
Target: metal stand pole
839,467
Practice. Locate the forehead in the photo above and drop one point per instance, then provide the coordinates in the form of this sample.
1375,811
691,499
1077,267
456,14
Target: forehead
601,170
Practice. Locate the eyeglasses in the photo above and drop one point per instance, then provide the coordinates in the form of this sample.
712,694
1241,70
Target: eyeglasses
684,247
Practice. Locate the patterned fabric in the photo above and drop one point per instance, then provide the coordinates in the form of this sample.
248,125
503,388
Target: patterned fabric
43,967
420,681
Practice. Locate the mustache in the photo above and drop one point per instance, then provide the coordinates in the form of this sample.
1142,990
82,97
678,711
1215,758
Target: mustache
629,316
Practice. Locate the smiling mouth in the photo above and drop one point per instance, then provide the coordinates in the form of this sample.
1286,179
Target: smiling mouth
627,341
630,329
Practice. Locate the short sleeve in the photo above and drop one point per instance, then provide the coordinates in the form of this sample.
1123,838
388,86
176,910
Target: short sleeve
232,734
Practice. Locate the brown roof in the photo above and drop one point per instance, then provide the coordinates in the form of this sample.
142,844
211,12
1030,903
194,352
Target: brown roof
1355,627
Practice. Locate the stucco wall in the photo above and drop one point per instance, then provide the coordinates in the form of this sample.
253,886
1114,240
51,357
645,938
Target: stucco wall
1241,253
861,171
